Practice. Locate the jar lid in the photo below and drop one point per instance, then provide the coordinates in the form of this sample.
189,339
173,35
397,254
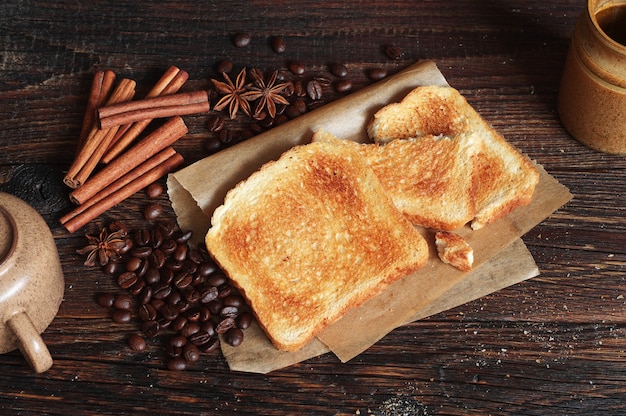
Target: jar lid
8,234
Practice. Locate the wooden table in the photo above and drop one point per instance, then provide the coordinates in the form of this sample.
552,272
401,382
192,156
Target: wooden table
554,344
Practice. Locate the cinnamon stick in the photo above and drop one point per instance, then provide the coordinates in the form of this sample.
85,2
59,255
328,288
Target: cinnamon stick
121,194
98,141
101,87
150,145
140,170
151,108
170,83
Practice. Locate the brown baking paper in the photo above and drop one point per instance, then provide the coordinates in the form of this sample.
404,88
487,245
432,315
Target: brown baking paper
197,190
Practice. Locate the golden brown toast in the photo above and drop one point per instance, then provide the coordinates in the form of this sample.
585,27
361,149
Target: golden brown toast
308,237
502,177
429,179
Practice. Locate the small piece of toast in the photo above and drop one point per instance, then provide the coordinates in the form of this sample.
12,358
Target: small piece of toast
454,250
309,236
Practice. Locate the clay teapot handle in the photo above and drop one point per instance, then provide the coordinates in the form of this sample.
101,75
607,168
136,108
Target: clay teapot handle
30,343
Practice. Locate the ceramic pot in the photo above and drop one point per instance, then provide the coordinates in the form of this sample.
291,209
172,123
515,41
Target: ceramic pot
31,281
592,96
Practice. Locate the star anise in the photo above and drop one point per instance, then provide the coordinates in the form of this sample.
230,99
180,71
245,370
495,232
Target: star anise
266,92
232,94
103,248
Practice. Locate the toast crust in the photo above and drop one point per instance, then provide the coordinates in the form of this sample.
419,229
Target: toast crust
308,237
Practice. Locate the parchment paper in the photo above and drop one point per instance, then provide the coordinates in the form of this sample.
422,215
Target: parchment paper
197,190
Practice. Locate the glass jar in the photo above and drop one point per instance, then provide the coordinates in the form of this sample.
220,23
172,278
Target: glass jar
592,95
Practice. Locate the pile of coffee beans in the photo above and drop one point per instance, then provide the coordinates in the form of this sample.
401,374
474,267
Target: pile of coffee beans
173,289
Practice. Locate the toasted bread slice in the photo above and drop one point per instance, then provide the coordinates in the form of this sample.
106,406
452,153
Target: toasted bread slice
503,178
429,179
308,237
454,250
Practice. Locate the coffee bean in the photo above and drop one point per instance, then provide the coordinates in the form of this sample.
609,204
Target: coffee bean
191,353
206,268
292,112
189,329
205,314
278,44
200,337
234,337
167,228
161,290
299,90
154,190
393,52
229,312
136,342
157,303
314,90
174,351
156,238
176,364
147,312
166,276
157,258
338,70
224,291
173,265
208,327
180,254
244,320
137,288
215,306
141,252
241,40
343,86
169,312
224,66
376,74
189,266
182,280
296,68
145,296
123,302
225,325
142,237
118,226
208,293
190,294
178,323
212,345
150,328
216,123
127,279
182,237
217,279
111,267
174,297
235,300
178,341
152,211
133,264
106,299
121,316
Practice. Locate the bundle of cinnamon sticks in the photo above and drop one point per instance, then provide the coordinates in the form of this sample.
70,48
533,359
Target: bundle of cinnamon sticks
113,122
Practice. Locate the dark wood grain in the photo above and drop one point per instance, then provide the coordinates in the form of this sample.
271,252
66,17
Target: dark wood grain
552,345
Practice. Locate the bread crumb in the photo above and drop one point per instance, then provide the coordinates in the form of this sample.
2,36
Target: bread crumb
454,250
